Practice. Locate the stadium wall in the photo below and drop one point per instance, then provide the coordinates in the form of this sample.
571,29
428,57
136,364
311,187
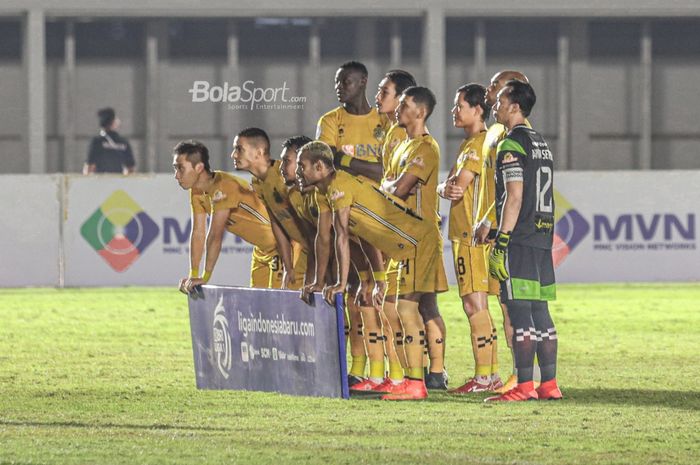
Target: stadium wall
69,230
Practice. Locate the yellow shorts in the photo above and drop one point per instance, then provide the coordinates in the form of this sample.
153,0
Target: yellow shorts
425,272
471,267
265,269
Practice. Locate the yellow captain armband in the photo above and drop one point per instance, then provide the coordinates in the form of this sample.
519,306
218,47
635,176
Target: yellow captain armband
345,161
379,275
194,273
364,275
206,276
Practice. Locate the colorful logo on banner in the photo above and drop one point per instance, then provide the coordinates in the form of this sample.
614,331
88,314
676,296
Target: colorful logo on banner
569,229
119,230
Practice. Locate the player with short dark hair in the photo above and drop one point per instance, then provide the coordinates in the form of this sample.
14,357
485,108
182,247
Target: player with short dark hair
522,255
487,226
232,205
355,132
251,153
463,187
412,176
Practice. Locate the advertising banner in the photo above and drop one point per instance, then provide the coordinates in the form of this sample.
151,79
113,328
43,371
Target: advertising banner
30,236
267,340
135,231
610,226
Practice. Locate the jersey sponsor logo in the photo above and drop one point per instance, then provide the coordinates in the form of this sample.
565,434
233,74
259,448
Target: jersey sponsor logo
218,196
508,158
544,224
119,231
277,196
336,195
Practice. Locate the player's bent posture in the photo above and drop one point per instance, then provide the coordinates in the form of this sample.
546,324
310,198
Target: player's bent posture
487,227
522,256
463,187
233,206
251,152
412,175
313,209
382,223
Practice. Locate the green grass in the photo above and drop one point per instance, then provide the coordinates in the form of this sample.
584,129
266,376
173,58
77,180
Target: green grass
106,376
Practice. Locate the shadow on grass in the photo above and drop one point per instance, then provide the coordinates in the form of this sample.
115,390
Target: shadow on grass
77,424
683,400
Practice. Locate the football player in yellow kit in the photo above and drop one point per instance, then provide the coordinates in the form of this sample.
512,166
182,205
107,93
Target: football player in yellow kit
487,227
251,152
463,187
387,100
355,132
382,223
233,206
412,176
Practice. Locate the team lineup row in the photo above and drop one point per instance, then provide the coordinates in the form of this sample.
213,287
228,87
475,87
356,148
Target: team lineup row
355,212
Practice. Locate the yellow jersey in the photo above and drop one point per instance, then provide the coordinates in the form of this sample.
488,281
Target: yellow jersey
308,205
360,136
394,136
464,212
248,217
274,193
420,157
381,219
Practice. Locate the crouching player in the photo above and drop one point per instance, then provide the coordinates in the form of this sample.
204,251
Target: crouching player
382,223
233,206
522,255
251,153
463,187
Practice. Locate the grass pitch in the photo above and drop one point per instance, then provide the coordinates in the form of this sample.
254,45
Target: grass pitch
102,376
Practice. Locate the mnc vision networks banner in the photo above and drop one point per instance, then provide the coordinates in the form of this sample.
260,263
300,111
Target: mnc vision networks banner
267,340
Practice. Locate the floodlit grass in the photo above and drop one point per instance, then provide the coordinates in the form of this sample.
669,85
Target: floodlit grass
101,376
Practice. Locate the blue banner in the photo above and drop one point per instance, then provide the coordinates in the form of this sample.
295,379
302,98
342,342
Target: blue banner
267,340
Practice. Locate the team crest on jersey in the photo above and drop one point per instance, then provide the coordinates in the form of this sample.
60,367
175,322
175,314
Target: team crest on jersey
379,133
341,131
218,196
277,196
314,211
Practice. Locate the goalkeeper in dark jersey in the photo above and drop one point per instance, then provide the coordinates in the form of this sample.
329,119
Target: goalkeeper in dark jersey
522,255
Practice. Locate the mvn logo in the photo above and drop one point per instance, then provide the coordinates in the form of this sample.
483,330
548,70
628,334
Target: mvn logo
119,231
569,229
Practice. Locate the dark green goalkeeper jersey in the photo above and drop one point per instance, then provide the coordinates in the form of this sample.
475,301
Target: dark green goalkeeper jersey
525,157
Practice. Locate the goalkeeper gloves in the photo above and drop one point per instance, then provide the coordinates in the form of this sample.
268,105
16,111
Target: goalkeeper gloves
497,259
